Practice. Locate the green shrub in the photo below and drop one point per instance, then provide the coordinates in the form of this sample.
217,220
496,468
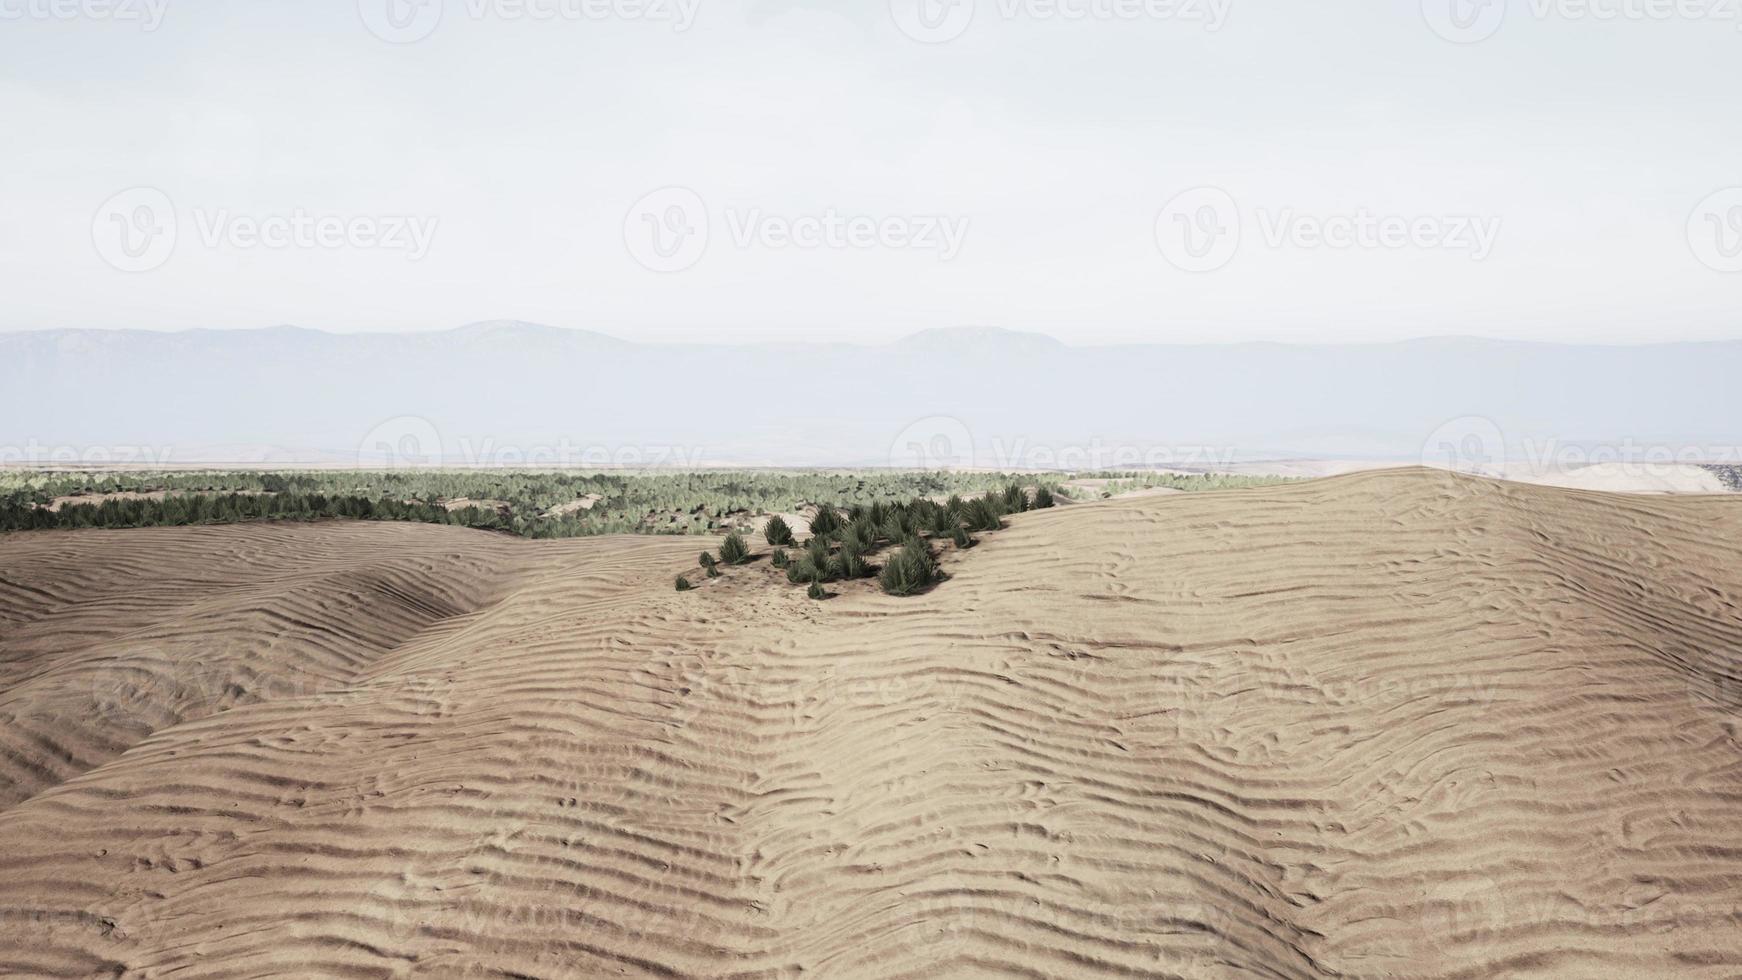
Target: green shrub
849,566
859,537
817,552
910,570
733,550
779,559
826,523
1042,498
707,560
983,515
940,521
809,569
962,539
683,584
777,531
816,591
1015,499
713,571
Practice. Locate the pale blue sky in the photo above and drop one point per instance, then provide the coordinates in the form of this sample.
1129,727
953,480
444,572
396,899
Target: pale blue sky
524,145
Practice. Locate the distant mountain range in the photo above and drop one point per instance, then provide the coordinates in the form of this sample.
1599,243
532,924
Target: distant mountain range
508,393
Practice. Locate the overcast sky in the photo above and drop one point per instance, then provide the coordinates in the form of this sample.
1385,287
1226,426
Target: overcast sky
1206,170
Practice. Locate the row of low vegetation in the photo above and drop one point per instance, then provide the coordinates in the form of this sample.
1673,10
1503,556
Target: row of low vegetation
529,504
233,508
857,545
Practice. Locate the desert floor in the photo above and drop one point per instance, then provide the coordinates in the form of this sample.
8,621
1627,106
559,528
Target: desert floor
1398,723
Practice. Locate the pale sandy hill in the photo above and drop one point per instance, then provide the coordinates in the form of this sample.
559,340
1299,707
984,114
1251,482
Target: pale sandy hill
1392,724
1629,478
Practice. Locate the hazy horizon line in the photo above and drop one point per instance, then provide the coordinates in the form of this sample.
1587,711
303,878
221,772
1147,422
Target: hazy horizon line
959,330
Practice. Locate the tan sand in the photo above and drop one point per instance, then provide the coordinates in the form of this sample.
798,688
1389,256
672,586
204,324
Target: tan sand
585,502
1398,723
97,499
1610,476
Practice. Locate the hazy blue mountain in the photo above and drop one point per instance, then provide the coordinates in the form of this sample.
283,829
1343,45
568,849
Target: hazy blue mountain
504,392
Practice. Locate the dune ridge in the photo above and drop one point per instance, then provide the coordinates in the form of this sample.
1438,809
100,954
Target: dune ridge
1399,723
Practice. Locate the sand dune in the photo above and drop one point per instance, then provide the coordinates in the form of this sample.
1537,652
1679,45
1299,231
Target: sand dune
1399,723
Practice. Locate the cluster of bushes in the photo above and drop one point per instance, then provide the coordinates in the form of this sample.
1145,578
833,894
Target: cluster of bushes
910,570
1730,476
840,547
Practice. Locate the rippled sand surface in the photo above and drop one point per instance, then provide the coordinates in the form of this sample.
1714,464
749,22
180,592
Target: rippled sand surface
1388,724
